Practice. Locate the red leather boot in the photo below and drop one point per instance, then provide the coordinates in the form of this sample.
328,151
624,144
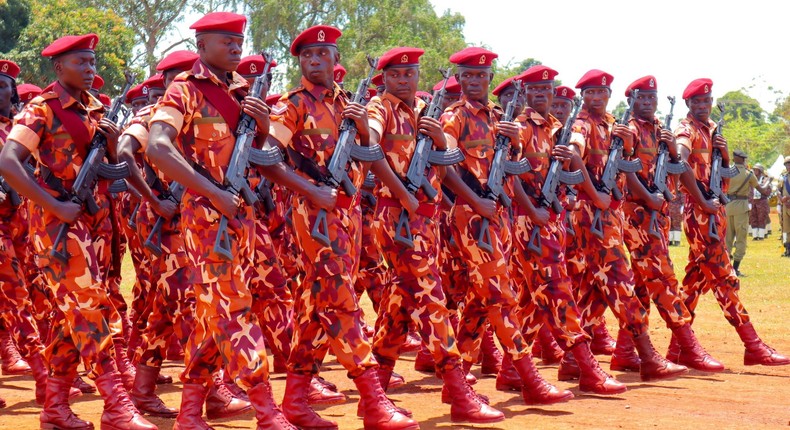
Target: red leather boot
190,416
466,405
144,396
535,389
690,353
654,366
624,357
379,412
591,377
56,413
296,407
267,413
119,411
757,352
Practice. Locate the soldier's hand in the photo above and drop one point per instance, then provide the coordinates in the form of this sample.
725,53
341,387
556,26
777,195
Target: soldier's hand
603,201
656,201
2,197
485,207
411,204
324,197
711,207
510,130
68,211
720,143
669,138
226,203
258,110
357,113
562,153
165,208
111,132
432,128
540,217
625,133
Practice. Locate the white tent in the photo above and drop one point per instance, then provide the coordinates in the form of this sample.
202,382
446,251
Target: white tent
776,170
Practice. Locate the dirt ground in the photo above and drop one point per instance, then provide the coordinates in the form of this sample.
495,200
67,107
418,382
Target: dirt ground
741,397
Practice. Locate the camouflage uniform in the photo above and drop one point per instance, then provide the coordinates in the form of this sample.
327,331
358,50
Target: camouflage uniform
374,275
225,330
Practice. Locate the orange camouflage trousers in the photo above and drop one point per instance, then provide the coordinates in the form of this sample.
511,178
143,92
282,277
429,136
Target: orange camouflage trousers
132,241
373,276
16,310
543,284
709,267
455,281
272,301
601,272
326,306
415,293
170,307
226,331
490,294
283,238
654,274
84,317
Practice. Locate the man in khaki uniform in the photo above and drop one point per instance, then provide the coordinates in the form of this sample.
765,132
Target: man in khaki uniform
784,206
738,209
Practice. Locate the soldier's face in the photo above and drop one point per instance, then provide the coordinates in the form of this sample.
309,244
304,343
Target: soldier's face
506,96
222,51
170,75
596,99
77,69
402,81
450,98
318,64
645,105
540,96
154,94
6,91
474,82
138,104
700,107
561,109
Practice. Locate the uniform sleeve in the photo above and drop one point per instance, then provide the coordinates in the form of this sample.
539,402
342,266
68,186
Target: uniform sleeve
139,132
683,136
376,116
579,135
753,182
29,126
176,107
284,122
451,125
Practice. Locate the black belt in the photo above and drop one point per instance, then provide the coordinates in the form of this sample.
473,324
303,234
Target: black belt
734,197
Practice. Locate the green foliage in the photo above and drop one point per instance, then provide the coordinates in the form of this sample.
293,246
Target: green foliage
748,127
504,71
741,106
52,19
619,110
369,27
14,17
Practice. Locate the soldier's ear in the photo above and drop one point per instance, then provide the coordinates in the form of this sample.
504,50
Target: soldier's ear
687,102
490,76
200,43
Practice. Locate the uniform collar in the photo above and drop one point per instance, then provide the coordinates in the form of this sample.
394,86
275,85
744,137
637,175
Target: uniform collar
476,106
319,91
419,104
201,71
88,102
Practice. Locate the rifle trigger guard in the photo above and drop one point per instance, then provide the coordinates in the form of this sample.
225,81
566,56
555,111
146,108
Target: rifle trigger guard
320,231
403,232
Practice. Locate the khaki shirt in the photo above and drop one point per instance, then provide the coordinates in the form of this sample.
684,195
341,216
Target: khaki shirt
740,187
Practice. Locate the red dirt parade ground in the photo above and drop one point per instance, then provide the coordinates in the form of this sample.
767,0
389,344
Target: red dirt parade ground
755,397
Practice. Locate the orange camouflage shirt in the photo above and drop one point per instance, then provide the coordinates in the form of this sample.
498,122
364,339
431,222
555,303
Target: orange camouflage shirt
593,136
698,139
397,124
538,137
307,120
42,133
204,137
137,127
472,127
5,128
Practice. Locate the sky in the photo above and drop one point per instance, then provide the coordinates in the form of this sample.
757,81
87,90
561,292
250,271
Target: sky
737,45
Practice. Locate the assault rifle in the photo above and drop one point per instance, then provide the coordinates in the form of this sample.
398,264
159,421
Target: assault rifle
245,156
615,164
154,240
11,194
93,169
556,176
424,157
346,151
664,166
717,172
501,166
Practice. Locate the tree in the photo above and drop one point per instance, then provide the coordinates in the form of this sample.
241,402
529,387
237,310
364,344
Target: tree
619,110
52,19
739,105
369,27
508,70
14,17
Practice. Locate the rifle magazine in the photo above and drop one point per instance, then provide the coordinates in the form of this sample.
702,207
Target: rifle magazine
366,153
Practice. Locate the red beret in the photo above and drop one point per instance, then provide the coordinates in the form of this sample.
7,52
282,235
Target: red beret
86,42
181,60
340,73
272,99
400,57
378,80
27,92
473,57
155,81
452,85
136,92
698,87
595,78
564,92
425,95
98,82
316,35
503,86
9,68
536,74
645,83
221,22
372,92
105,99
252,65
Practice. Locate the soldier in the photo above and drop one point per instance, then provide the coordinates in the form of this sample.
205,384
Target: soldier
675,214
645,209
58,127
415,293
137,97
600,267
737,209
195,114
759,214
709,265
306,121
546,298
784,207
473,124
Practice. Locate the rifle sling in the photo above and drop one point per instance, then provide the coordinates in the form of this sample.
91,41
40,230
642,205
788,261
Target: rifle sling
72,122
471,181
228,106
305,165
